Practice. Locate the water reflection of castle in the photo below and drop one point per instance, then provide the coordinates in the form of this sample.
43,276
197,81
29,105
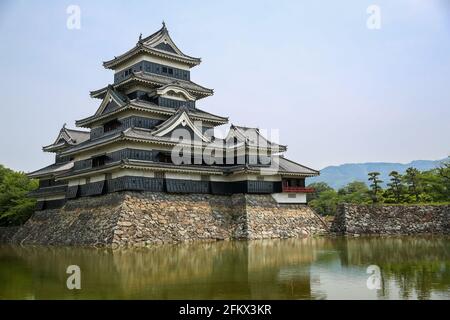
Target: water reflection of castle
269,269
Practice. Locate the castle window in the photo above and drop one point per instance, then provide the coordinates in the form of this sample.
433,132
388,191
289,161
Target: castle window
170,71
165,157
99,161
111,125
164,69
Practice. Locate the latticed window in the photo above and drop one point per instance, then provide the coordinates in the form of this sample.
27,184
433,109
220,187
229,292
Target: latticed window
159,175
99,161
111,125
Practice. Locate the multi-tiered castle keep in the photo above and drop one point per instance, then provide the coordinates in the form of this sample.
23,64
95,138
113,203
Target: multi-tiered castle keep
149,134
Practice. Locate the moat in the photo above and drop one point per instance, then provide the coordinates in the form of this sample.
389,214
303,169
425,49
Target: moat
312,268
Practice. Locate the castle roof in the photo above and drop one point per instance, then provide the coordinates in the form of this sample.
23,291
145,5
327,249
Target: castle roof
286,168
51,170
292,167
180,118
160,135
67,137
280,166
158,44
146,106
152,79
251,137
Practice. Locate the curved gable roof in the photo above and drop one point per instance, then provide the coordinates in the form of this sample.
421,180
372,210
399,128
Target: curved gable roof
160,44
180,118
66,138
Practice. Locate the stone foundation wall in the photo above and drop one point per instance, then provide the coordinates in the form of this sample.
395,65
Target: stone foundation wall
267,219
392,219
6,233
141,218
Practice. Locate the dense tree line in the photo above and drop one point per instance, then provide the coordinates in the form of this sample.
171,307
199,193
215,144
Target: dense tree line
15,206
414,186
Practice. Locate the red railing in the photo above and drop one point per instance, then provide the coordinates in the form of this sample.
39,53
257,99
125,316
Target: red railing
297,189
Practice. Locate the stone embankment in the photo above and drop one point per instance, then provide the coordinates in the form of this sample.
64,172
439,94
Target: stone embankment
142,218
392,219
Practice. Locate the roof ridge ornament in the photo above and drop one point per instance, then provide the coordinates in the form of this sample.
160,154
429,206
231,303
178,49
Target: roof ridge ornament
183,108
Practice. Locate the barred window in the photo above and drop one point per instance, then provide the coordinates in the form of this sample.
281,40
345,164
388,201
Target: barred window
159,175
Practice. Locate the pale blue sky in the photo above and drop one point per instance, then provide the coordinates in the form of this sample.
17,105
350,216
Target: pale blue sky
337,91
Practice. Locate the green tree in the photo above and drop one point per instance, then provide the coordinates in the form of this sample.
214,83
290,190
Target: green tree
375,185
434,185
443,172
396,186
15,205
411,178
354,192
318,187
326,203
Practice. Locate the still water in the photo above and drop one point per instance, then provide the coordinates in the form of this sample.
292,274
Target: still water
317,268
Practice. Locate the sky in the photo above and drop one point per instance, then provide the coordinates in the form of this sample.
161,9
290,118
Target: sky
337,90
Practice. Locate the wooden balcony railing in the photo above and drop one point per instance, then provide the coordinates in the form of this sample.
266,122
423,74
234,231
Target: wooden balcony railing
298,189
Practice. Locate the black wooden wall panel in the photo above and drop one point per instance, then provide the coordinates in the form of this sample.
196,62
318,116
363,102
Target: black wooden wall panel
171,103
54,204
72,192
187,186
260,186
92,189
151,67
132,121
39,205
135,183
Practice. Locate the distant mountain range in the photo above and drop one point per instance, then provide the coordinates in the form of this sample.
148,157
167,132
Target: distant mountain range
339,176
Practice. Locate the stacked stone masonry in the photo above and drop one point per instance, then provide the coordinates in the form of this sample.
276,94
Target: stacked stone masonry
143,218
392,219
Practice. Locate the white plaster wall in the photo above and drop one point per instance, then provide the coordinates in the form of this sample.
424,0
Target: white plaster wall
284,197
76,182
131,172
55,197
242,177
183,176
97,178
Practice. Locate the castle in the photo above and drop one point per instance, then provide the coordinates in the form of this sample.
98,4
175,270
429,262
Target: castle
149,111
